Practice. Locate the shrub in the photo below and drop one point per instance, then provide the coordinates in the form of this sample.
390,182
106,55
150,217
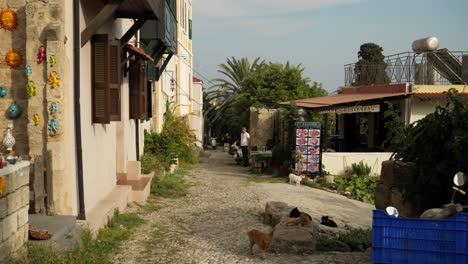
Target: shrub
437,144
176,140
171,186
361,169
363,188
351,240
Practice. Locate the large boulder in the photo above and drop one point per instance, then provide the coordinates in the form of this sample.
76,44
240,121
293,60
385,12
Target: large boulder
398,173
294,239
275,212
396,188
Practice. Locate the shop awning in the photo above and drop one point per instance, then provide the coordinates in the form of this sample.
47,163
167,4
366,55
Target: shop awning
325,102
138,52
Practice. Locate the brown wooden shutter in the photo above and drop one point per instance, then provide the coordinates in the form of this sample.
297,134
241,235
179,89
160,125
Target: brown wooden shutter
143,91
100,79
138,85
114,81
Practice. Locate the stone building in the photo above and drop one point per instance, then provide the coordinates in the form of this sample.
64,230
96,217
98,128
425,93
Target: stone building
87,102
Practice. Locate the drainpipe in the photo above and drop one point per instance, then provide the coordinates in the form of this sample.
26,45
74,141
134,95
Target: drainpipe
77,107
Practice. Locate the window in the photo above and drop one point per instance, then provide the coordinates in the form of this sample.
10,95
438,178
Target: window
106,78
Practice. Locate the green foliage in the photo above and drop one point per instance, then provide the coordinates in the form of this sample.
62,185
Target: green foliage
395,127
351,240
332,245
171,186
259,84
87,250
361,169
438,145
274,82
370,69
323,171
176,140
359,188
363,188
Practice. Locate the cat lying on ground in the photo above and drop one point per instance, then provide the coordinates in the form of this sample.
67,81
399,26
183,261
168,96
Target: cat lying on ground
293,178
301,218
262,240
328,222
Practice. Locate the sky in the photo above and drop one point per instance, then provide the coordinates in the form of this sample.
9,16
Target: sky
321,35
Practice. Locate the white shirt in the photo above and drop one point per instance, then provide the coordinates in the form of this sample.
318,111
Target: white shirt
244,139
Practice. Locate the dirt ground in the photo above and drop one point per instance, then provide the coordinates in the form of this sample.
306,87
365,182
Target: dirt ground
210,224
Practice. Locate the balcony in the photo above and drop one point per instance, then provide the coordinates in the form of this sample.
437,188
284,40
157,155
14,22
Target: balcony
161,33
437,67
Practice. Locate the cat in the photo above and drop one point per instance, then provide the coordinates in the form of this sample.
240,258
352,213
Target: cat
328,222
301,218
295,179
262,240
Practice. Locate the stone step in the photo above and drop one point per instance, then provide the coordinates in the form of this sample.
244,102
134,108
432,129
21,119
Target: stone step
140,188
98,216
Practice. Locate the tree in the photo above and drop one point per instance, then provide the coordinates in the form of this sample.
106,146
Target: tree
273,83
370,69
258,84
225,92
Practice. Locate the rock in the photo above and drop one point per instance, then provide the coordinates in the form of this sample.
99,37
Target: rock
398,173
408,205
294,239
275,212
383,196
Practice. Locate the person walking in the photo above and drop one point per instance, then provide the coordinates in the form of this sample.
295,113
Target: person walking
244,143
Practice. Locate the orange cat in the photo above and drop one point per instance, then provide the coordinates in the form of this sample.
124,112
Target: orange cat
303,220
262,240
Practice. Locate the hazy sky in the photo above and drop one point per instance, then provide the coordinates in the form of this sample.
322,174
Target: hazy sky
322,35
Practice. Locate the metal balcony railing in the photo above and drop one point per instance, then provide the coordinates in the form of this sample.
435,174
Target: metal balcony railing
438,67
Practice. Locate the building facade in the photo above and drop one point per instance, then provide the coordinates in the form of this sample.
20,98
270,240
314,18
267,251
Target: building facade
79,93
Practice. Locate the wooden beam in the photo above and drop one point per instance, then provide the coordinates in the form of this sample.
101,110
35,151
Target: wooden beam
132,31
102,17
158,51
163,67
159,56
39,195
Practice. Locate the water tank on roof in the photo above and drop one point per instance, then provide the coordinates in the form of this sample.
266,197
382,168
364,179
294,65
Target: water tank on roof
425,45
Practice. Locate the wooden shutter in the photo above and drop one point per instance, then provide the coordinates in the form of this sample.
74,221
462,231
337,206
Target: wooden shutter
149,108
143,90
138,85
100,79
114,80
133,85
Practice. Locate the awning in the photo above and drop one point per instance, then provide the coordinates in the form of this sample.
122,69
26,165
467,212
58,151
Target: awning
138,52
324,102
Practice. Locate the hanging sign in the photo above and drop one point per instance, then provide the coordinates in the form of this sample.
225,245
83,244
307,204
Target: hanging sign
308,143
352,109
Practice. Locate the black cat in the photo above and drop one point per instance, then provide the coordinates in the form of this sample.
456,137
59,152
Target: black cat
294,213
328,222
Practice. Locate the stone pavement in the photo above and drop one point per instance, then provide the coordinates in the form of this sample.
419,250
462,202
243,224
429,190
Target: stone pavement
210,225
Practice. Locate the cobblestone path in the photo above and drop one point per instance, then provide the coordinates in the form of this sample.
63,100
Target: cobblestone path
210,224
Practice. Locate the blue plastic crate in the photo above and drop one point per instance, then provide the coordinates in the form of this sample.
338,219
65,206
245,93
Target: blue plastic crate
413,240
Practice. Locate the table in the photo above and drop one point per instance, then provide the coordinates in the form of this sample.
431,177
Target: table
261,160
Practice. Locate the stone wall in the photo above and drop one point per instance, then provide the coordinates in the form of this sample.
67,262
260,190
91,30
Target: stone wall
14,204
40,23
14,78
263,125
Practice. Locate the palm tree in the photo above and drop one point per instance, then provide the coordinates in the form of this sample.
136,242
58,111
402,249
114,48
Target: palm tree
227,90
